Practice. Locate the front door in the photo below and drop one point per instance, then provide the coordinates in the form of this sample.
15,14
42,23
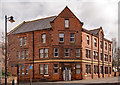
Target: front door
67,74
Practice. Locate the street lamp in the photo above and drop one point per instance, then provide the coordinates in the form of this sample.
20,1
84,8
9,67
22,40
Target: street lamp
11,20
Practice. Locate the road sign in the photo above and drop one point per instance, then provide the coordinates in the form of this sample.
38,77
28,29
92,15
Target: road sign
30,66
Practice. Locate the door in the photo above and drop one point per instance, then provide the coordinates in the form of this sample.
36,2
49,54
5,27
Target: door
67,74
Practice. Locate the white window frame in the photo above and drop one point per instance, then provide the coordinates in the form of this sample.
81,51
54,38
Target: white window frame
61,35
87,39
19,54
66,23
23,55
43,38
67,52
56,52
77,52
55,68
78,70
41,69
41,53
20,41
25,41
26,54
72,37
46,52
46,68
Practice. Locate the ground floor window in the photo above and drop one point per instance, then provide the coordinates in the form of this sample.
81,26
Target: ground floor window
44,69
55,68
78,68
95,69
109,70
88,69
106,70
41,69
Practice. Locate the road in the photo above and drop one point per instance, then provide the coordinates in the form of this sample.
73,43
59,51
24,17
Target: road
102,81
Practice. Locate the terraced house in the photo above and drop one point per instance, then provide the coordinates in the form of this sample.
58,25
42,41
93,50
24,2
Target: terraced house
59,48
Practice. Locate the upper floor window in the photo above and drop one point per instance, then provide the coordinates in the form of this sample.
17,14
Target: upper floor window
22,54
20,41
25,40
87,53
46,52
43,38
41,53
77,52
66,52
106,57
105,46
95,42
72,37
18,55
87,39
66,23
101,44
26,54
95,55
55,52
109,47
61,37
101,56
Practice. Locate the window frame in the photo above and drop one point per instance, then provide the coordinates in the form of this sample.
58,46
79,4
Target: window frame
72,36
66,23
61,36
43,38
95,42
46,69
67,52
55,68
56,52
87,40
77,52
41,53
41,69
46,52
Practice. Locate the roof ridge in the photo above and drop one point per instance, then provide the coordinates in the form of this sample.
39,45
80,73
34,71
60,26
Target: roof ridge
94,29
40,19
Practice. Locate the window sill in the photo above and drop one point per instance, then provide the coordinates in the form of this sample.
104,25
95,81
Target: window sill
61,42
66,27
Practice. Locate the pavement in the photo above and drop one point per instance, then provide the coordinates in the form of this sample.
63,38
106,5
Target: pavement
100,81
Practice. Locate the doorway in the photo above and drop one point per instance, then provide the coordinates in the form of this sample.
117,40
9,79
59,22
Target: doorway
67,74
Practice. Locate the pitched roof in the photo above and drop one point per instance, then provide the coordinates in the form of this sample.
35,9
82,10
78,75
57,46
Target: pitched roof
95,31
34,25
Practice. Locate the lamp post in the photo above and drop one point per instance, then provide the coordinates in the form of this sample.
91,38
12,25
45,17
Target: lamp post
11,20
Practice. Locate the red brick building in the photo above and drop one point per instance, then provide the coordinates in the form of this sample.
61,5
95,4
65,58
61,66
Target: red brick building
59,48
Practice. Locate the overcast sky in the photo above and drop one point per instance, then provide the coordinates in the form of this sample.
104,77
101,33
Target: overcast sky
94,13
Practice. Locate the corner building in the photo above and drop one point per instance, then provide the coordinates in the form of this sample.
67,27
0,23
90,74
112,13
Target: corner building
59,48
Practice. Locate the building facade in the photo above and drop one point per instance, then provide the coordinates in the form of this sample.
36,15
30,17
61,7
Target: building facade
59,48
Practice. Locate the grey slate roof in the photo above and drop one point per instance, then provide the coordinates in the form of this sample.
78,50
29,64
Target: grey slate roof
39,24
95,31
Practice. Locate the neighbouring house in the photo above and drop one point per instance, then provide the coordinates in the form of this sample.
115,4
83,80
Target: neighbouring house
59,48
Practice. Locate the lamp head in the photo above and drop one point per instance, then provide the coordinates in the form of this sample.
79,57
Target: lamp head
11,19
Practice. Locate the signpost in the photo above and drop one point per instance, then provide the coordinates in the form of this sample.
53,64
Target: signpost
30,75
